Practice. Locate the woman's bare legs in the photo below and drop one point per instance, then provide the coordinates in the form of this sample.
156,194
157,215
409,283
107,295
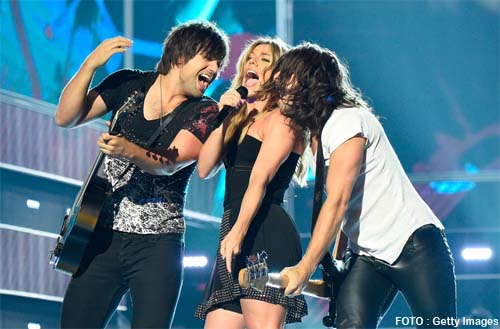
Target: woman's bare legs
224,319
262,315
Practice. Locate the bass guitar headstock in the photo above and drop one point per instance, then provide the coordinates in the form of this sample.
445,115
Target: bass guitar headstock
256,274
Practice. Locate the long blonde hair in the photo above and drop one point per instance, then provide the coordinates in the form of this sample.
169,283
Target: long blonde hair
239,123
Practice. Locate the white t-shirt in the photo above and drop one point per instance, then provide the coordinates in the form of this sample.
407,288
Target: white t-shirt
384,209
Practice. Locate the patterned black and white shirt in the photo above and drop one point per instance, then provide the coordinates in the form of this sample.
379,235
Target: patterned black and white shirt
140,202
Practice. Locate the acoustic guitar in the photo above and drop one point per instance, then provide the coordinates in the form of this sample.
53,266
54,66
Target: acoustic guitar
78,225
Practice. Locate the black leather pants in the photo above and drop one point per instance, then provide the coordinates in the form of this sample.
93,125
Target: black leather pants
424,273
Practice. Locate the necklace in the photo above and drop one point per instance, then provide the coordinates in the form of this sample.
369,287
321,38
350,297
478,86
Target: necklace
161,103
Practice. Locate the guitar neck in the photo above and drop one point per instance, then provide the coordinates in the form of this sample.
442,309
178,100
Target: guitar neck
313,288
98,160
93,172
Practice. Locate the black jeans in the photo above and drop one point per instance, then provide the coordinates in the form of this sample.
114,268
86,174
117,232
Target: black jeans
424,273
150,266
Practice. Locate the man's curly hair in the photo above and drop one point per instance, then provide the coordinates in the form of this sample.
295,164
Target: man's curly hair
311,82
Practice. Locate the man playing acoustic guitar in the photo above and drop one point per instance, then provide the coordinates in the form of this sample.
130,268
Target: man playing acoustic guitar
137,244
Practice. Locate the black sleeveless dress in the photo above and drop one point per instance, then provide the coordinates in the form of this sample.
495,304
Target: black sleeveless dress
271,230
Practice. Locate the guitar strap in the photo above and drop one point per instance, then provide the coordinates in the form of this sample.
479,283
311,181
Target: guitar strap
166,121
182,112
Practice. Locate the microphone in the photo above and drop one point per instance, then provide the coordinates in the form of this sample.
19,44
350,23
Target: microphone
221,116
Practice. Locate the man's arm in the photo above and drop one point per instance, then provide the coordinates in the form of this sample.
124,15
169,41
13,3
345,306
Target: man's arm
345,163
182,152
76,105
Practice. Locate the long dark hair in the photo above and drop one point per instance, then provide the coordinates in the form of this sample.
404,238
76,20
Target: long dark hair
311,82
189,39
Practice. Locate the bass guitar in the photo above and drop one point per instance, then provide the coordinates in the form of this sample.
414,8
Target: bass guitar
78,225
256,275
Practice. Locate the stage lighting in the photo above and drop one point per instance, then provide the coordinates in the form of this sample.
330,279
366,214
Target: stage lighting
33,204
477,254
195,261
451,187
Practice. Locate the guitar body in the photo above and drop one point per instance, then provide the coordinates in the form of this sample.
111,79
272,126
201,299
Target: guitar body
78,227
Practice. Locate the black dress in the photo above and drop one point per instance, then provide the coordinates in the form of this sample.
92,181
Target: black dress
271,230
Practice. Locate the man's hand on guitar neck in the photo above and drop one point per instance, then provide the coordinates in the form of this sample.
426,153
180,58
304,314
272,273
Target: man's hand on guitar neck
297,276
